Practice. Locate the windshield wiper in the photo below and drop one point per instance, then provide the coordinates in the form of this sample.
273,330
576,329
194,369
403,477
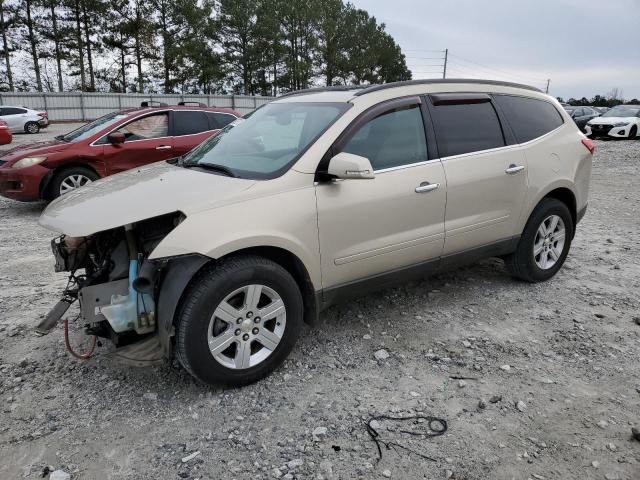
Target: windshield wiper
61,137
211,166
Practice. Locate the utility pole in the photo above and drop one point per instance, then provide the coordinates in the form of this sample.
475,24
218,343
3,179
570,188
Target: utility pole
446,55
548,82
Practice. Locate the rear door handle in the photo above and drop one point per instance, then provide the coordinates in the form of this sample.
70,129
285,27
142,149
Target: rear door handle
164,147
513,169
425,187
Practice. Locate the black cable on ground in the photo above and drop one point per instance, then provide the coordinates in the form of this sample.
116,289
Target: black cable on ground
434,428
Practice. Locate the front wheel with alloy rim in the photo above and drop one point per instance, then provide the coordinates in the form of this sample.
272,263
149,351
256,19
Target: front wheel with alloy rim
633,132
239,320
70,179
544,244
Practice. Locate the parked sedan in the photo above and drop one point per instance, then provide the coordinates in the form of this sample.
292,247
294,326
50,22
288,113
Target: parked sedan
622,121
114,143
5,133
23,119
581,115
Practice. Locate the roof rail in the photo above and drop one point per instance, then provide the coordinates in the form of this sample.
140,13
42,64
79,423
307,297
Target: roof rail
384,86
153,103
332,88
195,104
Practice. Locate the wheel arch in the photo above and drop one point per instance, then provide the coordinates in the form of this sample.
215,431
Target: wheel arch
183,269
45,190
566,196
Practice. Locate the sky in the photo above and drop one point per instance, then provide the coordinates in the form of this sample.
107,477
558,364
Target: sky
585,47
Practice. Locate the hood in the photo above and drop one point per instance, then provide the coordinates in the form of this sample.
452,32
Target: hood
34,150
610,120
137,195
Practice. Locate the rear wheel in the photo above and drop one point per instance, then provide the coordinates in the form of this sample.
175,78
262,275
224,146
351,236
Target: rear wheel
544,244
239,321
31,127
70,179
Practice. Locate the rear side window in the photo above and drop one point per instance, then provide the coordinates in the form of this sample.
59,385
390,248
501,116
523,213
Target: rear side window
189,123
529,117
219,120
466,128
392,139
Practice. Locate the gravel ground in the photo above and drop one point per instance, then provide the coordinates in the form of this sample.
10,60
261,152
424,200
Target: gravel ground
553,371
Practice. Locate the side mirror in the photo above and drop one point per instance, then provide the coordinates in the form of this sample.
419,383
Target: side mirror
116,138
349,166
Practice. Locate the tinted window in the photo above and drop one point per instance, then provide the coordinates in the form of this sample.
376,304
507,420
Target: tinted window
188,123
392,139
466,128
219,120
13,111
529,118
145,128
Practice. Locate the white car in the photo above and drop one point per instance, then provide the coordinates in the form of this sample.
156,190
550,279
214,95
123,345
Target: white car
23,119
622,121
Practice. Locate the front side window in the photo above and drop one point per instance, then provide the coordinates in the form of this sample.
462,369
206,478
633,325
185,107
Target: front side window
266,142
146,128
189,123
466,128
529,117
392,139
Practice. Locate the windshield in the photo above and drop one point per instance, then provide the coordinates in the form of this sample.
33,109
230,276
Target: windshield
92,128
622,111
265,143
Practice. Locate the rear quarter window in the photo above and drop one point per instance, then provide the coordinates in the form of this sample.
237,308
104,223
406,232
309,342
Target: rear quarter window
218,120
529,118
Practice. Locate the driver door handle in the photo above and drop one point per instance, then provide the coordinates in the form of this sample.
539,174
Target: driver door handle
513,169
164,147
425,187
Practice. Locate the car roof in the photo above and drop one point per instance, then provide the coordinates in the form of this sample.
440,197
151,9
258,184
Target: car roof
346,93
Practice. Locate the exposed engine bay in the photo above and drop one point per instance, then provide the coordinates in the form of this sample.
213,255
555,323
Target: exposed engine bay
113,280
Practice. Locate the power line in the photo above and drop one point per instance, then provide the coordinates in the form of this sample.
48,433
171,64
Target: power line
496,69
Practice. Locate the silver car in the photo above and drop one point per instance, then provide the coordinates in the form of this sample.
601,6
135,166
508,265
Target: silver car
23,119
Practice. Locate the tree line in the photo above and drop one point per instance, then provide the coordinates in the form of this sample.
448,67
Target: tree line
611,99
252,47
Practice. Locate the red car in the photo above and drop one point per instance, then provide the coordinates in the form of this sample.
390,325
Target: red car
111,144
5,133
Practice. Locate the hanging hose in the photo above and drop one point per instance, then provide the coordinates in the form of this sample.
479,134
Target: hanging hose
79,356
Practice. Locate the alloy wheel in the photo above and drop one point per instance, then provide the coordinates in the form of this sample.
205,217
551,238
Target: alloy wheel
72,182
247,326
549,242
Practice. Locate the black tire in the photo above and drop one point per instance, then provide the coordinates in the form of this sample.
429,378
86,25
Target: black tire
31,127
633,133
206,291
60,176
521,264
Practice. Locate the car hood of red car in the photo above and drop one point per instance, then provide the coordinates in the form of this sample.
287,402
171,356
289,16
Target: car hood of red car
139,194
34,149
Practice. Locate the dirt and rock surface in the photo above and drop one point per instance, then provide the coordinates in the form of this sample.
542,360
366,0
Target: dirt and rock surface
552,392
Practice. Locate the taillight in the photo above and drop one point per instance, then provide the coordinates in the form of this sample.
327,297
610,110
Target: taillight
42,114
588,144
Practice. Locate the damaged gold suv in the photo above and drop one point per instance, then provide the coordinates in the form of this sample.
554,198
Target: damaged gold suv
221,255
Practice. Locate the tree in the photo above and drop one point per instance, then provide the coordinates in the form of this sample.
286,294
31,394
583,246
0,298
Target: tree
51,31
6,22
237,29
27,20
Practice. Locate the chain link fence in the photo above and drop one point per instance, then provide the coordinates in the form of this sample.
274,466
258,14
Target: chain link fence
77,106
